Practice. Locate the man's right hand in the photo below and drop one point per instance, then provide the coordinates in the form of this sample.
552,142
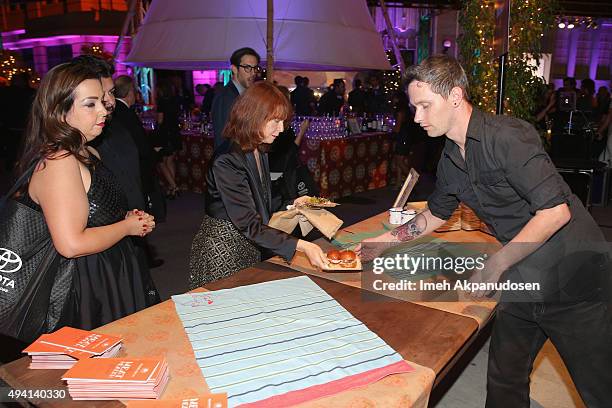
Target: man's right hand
371,248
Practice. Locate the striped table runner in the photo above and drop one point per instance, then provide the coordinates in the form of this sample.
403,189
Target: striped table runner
281,343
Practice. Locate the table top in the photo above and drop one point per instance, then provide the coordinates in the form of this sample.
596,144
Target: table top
422,335
431,336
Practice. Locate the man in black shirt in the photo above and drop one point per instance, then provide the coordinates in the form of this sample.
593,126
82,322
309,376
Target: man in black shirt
357,98
331,103
497,166
302,98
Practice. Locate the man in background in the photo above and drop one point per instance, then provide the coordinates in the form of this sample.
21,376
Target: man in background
245,69
125,96
377,100
209,96
124,114
357,98
331,103
302,98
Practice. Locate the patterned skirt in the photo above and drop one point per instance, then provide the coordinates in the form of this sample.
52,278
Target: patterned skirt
219,250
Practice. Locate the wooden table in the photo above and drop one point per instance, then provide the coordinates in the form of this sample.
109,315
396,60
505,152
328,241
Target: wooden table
422,335
432,336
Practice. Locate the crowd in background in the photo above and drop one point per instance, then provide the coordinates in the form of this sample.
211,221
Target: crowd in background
575,111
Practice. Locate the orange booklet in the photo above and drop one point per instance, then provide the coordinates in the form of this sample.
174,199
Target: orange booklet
117,378
76,343
112,370
202,401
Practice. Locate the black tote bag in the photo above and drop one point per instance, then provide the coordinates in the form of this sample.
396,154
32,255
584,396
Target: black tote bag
35,281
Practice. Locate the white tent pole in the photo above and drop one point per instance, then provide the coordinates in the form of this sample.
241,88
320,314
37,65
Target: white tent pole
391,31
126,25
270,42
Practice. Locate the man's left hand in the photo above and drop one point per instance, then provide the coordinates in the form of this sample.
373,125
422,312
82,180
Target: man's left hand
491,273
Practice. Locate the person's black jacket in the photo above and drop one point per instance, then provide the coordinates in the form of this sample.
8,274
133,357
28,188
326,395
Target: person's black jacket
330,103
209,96
130,121
302,99
235,193
120,155
357,99
221,107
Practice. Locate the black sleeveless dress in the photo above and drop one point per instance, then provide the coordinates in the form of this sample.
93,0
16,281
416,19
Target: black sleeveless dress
108,285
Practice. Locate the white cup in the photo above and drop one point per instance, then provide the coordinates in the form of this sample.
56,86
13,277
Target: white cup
395,216
407,215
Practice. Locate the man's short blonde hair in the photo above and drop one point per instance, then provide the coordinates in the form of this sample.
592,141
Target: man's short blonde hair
441,72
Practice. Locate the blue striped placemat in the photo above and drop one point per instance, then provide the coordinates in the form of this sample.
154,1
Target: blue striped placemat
260,341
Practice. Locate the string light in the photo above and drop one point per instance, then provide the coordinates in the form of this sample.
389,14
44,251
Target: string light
391,79
12,65
97,49
528,22
571,22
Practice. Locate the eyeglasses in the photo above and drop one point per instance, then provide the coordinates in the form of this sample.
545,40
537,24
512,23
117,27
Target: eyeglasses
250,68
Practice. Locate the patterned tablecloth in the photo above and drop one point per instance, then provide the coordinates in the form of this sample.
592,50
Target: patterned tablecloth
192,161
340,167
349,165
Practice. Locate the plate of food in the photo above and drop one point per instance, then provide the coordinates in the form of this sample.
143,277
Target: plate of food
342,260
320,202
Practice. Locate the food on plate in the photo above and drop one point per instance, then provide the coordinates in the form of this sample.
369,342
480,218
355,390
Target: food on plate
333,256
348,259
342,259
319,202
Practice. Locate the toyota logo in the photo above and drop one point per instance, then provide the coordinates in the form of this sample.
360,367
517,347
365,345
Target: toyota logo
9,261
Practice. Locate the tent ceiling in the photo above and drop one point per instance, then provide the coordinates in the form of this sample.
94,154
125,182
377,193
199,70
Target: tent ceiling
336,35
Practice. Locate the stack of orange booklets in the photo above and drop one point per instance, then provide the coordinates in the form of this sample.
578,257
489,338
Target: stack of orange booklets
117,378
64,347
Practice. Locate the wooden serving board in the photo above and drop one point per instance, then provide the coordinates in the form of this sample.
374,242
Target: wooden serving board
338,268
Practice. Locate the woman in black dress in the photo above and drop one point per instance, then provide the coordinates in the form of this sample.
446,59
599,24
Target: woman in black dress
234,233
83,206
169,136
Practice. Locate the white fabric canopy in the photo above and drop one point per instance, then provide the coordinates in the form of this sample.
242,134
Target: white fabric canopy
328,35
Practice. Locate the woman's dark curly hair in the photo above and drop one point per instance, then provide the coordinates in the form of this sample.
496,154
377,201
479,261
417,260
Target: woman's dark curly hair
47,131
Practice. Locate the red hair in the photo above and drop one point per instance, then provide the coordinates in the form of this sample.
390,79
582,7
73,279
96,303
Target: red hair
260,103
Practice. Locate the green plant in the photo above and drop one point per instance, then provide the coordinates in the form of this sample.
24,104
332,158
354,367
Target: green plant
528,21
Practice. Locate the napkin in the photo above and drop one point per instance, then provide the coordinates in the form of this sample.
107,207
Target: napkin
307,218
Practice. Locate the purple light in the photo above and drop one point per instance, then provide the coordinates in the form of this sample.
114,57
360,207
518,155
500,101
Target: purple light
14,32
59,40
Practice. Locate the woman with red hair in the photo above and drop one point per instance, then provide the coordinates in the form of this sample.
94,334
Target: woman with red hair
234,233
